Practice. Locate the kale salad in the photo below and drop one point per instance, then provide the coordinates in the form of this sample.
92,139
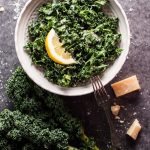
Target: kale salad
86,31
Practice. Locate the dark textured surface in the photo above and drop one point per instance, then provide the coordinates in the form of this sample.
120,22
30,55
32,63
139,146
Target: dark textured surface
135,105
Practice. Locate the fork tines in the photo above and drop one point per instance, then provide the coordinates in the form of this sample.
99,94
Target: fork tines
99,90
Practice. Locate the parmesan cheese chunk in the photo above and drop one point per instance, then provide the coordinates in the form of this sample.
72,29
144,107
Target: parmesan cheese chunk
134,129
115,110
126,86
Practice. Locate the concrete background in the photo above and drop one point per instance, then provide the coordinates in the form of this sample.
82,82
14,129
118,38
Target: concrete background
138,63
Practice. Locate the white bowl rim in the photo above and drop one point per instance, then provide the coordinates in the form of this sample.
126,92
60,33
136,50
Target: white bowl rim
75,91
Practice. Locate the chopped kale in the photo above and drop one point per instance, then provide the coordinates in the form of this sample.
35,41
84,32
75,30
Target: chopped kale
89,34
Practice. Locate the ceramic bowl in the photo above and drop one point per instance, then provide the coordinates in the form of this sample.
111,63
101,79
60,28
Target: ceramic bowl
29,13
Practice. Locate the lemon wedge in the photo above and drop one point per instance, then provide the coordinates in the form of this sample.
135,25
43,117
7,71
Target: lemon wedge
55,49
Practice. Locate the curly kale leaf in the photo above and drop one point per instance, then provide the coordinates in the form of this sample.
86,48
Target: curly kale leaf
40,118
34,130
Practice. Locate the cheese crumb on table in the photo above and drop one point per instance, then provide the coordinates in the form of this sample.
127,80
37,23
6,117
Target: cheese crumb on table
2,9
117,117
134,129
121,121
115,110
126,86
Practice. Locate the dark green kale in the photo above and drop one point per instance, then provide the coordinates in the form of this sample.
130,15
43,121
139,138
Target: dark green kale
89,34
32,129
39,120
30,146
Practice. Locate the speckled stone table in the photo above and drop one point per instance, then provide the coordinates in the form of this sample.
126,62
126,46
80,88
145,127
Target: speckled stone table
135,105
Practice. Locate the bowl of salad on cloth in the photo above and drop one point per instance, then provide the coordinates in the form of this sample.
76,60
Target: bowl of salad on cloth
62,44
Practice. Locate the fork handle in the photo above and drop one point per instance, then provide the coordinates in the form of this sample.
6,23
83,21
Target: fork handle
116,144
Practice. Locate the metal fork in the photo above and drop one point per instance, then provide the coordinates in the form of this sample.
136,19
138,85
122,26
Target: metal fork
103,100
